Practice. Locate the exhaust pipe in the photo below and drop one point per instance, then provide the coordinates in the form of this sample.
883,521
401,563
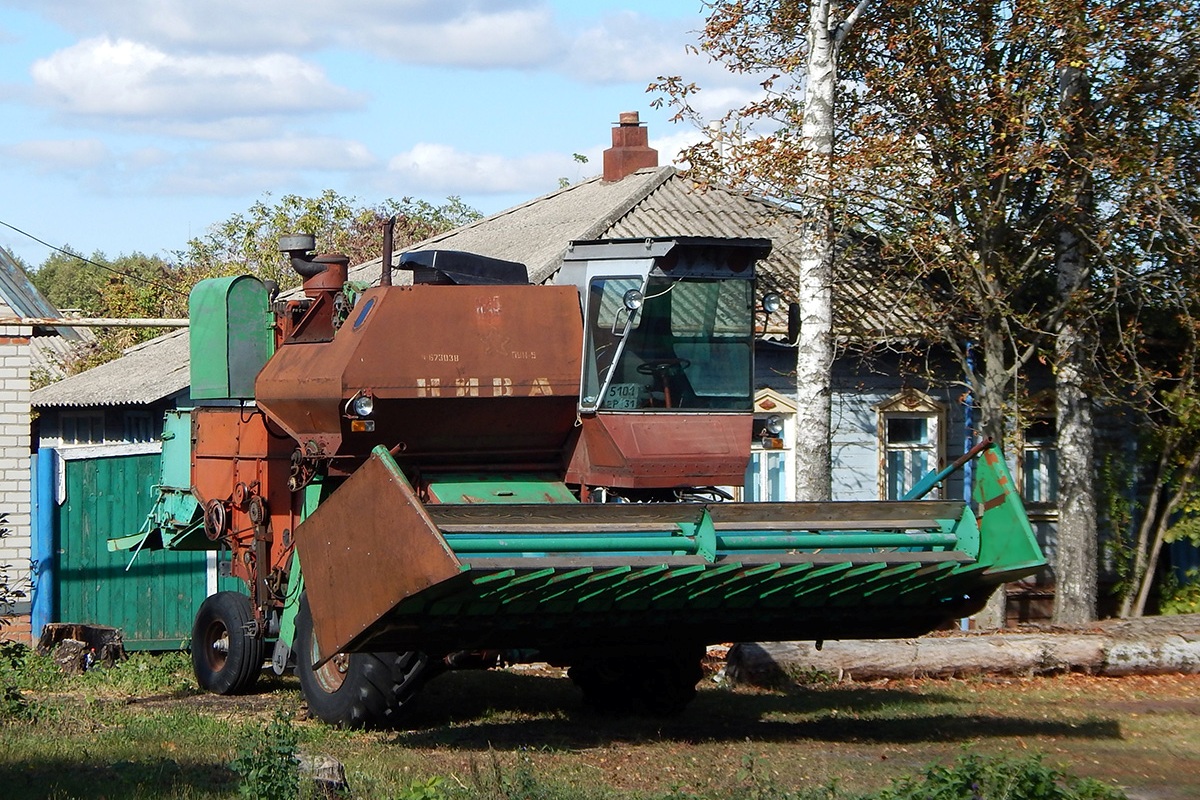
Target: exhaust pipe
389,228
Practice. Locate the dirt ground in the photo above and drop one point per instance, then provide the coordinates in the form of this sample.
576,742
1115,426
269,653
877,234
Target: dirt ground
1141,733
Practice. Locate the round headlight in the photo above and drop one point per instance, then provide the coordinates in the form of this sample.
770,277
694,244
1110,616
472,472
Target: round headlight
774,424
363,405
633,299
772,302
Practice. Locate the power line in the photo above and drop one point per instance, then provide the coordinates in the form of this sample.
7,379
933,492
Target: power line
87,260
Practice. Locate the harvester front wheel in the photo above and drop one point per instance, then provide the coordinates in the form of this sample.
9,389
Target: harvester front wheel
355,690
227,656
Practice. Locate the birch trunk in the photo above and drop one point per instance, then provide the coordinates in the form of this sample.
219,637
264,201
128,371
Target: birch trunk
814,348
1077,557
1076,564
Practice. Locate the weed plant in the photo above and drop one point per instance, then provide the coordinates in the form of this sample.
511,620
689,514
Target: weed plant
267,762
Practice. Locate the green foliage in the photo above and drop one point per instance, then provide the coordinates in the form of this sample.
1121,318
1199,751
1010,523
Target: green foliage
267,762
1180,597
248,243
430,789
144,673
976,778
138,285
8,592
21,667
1117,511
970,778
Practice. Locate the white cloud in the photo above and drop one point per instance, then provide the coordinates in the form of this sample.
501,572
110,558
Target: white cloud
472,33
668,147
49,155
440,168
127,79
296,153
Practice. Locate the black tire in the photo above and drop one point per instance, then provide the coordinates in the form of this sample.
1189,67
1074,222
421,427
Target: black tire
656,683
667,682
226,657
356,690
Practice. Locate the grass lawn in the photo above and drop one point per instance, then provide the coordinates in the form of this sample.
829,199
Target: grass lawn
142,730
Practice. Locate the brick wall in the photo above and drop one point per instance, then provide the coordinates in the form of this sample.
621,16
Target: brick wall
15,364
16,629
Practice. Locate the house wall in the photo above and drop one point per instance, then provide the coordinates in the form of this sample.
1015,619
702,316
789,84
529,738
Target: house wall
15,483
858,389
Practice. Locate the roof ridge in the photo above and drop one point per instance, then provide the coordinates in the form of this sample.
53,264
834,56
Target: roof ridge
133,348
627,204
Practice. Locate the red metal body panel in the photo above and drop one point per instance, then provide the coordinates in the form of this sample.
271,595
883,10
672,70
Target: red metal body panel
477,374
661,450
241,465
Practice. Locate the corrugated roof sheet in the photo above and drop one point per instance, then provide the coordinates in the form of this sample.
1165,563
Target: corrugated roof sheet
659,201
23,297
146,373
864,305
536,233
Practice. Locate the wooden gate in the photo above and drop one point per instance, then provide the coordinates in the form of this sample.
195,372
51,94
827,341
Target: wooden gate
154,600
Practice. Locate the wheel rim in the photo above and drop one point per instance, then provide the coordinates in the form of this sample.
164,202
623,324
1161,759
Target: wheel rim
332,673
216,645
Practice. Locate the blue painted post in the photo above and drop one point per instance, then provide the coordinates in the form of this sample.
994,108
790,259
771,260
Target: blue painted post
43,555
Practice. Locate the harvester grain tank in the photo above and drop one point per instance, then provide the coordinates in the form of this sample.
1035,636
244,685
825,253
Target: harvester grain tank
471,470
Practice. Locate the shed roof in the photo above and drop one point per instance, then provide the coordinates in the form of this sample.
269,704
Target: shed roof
145,374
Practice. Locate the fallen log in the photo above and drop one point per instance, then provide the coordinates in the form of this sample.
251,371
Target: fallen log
1150,645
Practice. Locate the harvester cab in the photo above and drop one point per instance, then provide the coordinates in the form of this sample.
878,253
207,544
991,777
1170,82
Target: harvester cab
410,478
666,390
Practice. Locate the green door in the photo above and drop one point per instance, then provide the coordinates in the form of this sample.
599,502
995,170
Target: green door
154,600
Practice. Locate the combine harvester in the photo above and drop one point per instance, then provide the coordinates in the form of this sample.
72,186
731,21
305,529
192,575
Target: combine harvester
472,470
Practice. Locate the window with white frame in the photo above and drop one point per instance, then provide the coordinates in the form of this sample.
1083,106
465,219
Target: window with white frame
1039,461
910,442
769,476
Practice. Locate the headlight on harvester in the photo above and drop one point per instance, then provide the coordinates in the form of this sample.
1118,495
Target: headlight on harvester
363,405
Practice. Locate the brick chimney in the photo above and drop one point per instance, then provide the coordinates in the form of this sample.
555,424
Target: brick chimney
630,149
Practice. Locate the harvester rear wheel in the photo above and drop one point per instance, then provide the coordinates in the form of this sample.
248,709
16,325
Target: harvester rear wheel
667,681
226,655
355,690
658,682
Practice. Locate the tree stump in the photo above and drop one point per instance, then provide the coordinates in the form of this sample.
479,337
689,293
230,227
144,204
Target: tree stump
77,647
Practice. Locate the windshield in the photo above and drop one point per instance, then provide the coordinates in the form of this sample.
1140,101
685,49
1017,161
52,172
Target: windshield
688,347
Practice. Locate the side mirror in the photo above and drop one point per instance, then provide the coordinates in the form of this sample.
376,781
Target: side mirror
793,332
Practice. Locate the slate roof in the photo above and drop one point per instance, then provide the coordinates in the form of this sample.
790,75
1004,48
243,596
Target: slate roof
147,372
659,201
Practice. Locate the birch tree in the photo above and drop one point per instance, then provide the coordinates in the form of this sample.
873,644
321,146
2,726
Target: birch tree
799,49
1003,153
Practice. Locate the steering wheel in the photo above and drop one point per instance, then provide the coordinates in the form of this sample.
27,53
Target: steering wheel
664,367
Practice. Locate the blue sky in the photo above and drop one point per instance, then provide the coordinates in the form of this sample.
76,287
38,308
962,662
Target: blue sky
133,125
